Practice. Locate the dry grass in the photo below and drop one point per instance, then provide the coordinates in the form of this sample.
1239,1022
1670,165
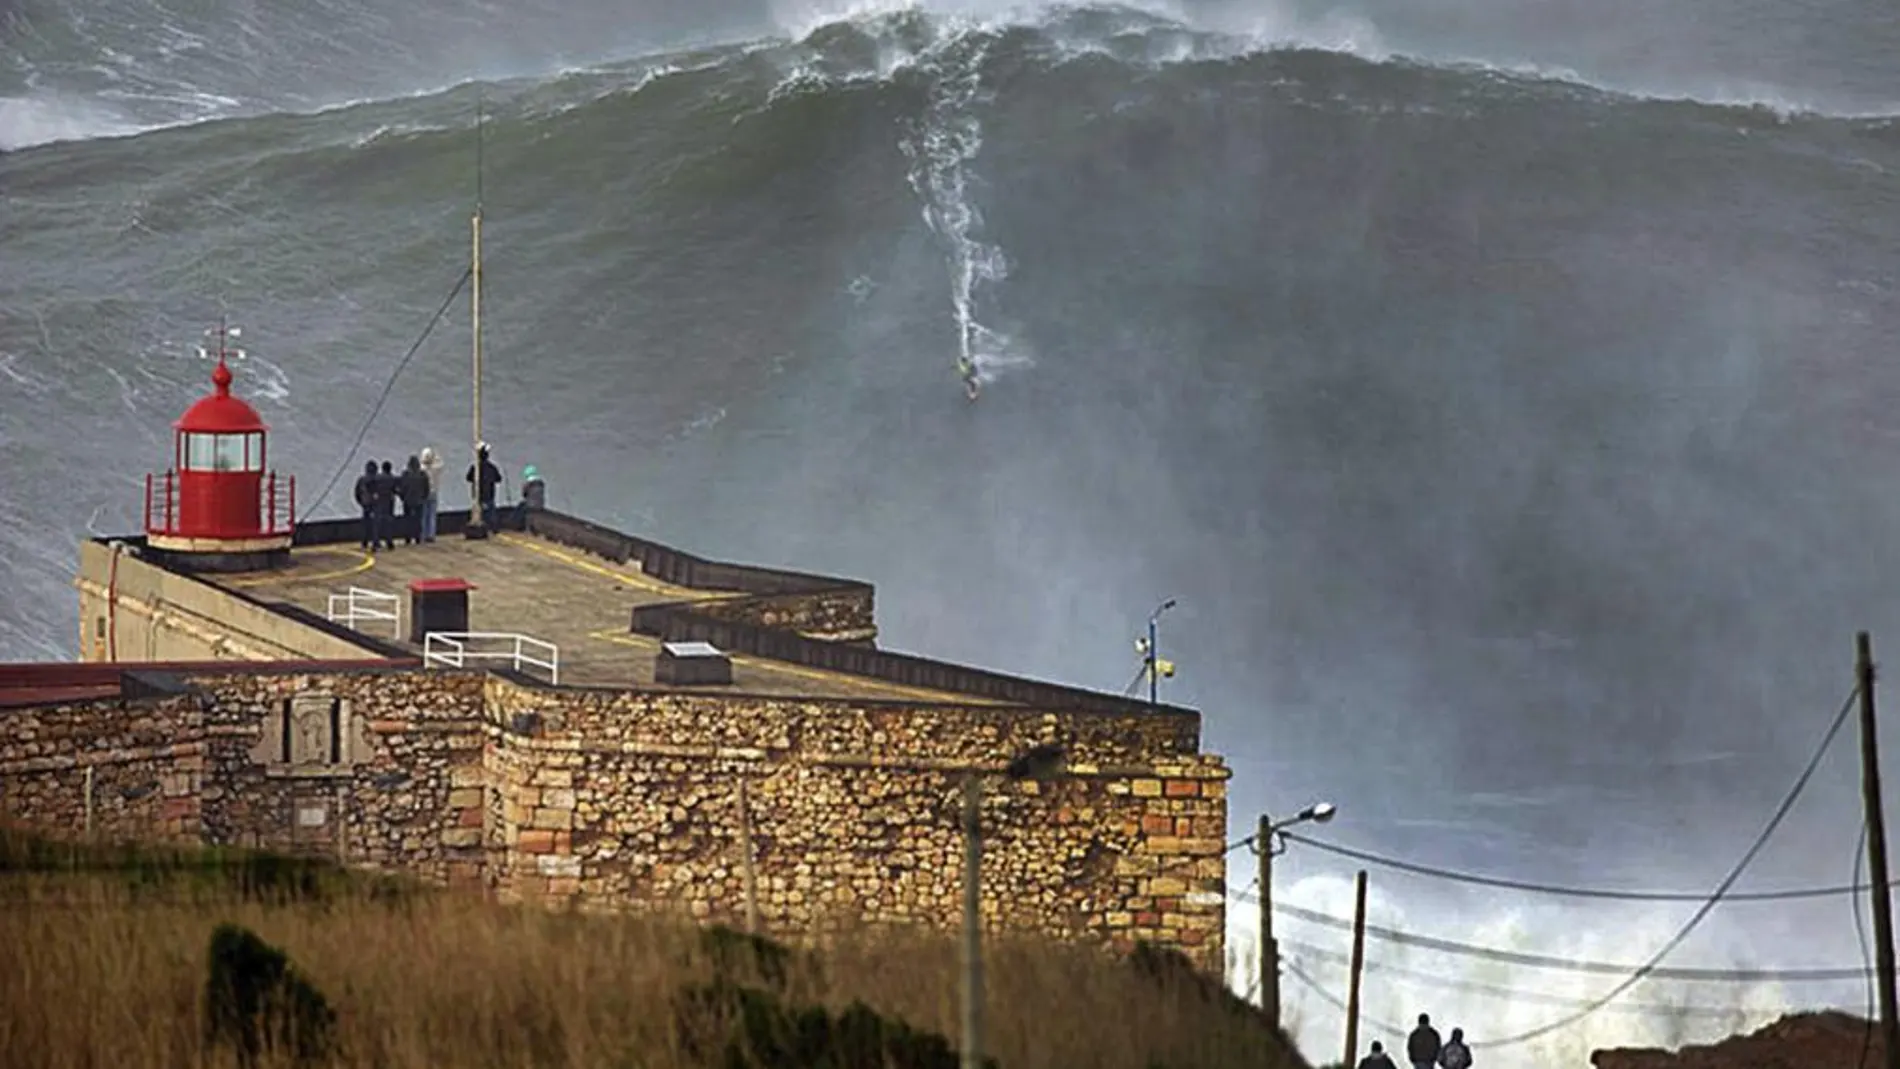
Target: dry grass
107,968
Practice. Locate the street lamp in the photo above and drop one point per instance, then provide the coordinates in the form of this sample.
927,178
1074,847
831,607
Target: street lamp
1039,764
1264,841
1152,665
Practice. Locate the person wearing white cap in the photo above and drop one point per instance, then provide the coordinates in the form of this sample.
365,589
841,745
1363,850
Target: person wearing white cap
432,467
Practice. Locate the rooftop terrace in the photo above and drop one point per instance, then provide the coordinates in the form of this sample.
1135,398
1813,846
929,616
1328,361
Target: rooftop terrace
530,585
608,601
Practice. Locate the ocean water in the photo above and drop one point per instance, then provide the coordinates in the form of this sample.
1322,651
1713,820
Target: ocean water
1504,388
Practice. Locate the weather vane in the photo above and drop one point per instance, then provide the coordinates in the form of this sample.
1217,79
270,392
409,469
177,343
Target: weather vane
223,333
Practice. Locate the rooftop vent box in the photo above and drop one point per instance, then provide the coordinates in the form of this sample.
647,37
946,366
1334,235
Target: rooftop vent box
691,663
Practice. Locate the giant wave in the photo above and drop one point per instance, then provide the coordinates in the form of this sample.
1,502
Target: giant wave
1392,367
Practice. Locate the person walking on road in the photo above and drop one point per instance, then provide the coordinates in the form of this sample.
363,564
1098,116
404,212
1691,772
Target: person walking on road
1423,1046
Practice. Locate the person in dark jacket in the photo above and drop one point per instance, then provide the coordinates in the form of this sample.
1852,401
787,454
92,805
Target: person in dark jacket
386,502
485,490
1422,1048
367,486
412,489
1378,1059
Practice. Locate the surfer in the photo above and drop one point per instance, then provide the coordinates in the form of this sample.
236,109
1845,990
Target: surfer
971,385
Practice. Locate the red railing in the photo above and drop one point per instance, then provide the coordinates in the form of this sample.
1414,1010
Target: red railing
165,515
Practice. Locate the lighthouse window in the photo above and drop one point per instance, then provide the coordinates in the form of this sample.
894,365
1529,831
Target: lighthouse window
224,452
199,451
229,453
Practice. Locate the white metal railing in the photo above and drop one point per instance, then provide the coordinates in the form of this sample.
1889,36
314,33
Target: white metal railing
361,604
454,649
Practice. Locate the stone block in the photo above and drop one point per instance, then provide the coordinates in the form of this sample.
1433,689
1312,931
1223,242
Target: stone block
1213,788
1157,824
1183,788
461,837
471,818
1147,788
558,798
552,777
558,865
534,841
552,819
465,798
1167,885
466,776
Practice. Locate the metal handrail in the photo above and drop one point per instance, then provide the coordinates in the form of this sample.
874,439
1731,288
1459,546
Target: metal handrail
363,604
451,649
276,507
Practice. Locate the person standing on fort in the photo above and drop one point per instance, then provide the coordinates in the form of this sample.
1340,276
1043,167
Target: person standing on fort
366,484
1423,1046
412,489
485,490
1378,1059
386,484
432,469
534,490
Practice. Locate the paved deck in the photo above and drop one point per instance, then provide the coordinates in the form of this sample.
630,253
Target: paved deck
531,586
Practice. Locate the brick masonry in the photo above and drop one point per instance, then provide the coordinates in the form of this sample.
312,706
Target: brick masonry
633,799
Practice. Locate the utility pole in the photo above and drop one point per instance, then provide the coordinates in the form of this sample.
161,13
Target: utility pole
972,919
1154,662
477,526
1358,968
1877,849
1269,947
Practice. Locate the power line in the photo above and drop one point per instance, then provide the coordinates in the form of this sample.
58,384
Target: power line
1651,967
350,458
1339,1003
1761,840
1541,961
1573,892
1506,991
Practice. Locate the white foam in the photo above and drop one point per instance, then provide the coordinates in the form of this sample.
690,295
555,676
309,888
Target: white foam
1493,1000
942,145
26,122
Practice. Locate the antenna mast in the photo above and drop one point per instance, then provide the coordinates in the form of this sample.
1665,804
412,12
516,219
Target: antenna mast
477,527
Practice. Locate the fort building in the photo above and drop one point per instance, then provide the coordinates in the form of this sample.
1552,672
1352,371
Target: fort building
558,711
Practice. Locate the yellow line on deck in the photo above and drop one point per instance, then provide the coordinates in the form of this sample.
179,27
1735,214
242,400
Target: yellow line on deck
365,561
838,680
641,580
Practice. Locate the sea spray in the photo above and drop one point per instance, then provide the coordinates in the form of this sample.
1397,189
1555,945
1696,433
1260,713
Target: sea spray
941,144
1493,999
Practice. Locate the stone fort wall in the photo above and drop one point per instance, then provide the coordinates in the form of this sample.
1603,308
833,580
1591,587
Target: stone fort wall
635,800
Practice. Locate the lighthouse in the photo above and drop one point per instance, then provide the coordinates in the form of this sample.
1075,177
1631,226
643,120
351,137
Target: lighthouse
217,508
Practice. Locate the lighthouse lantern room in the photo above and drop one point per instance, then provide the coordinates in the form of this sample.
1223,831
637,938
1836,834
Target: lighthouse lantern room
217,508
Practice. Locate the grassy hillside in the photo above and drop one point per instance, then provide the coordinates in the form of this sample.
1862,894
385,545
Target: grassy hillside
108,948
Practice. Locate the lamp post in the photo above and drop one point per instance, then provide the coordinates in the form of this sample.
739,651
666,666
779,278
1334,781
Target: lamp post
1039,763
1263,845
1152,665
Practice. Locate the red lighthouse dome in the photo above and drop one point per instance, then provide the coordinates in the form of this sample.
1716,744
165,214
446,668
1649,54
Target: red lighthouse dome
218,503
